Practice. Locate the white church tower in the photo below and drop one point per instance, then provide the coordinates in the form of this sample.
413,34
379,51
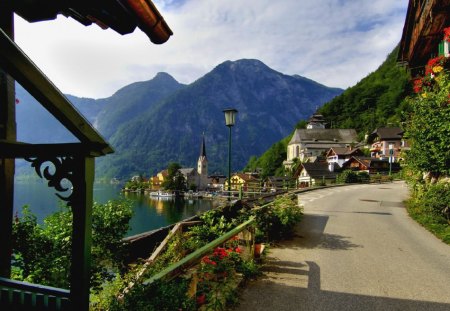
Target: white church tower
202,166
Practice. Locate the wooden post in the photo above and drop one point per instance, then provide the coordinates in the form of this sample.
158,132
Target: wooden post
8,132
82,233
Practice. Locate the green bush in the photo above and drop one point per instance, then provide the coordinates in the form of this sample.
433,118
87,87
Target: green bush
42,253
278,219
347,177
436,200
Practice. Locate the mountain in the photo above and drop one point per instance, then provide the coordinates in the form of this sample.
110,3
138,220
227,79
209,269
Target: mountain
131,100
155,122
269,104
373,102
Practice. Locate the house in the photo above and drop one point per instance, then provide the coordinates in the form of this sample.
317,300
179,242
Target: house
193,177
216,182
316,140
385,140
74,162
341,155
371,165
246,182
314,173
422,34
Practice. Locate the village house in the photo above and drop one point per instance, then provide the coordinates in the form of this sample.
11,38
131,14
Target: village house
371,165
216,182
315,173
341,155
385,140
422,37
246,182
316,140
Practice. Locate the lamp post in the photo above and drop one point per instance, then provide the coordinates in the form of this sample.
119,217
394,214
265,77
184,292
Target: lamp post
230,119
391,152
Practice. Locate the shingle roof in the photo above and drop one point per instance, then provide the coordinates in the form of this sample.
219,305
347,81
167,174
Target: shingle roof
318,170
346,136
385,133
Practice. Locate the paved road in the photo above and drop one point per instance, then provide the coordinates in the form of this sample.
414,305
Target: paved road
356,249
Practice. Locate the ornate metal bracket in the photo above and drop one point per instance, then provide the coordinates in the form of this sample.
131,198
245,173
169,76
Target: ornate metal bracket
64,169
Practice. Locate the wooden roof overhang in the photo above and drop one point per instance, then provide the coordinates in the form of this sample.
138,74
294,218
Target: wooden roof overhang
422,32
123,16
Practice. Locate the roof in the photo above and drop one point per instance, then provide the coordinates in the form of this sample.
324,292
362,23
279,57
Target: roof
187,171
386,133
245,177
343,136
123,16
423,31
203,147
341,151
318,170
367,161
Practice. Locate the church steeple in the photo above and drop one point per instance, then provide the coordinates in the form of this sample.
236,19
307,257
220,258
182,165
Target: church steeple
203,147
202,163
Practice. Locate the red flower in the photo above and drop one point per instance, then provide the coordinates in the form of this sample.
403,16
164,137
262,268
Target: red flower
437,61
447,34
238,250
201,299
417,85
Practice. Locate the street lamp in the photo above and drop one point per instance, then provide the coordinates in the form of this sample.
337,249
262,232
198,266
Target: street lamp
230,119
391,152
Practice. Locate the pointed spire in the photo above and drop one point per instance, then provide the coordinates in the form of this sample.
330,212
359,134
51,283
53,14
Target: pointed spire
203,146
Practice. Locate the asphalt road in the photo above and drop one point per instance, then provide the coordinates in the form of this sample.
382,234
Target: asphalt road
355,249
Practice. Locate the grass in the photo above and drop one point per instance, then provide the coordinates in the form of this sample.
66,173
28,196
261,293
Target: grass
439,226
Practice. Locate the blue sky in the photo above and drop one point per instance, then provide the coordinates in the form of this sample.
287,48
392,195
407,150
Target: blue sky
334,42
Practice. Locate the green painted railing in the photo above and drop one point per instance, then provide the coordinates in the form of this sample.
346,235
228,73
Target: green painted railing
189,259
15,295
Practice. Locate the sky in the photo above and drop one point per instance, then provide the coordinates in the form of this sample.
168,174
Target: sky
334,42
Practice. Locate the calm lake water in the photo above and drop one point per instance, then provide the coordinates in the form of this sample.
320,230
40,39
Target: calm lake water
148,213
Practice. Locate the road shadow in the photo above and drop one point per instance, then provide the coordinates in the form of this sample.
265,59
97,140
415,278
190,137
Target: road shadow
272,294
310,234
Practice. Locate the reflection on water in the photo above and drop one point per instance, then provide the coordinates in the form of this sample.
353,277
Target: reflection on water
149,213
152,213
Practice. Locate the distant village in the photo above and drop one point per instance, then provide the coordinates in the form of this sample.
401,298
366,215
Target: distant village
316,156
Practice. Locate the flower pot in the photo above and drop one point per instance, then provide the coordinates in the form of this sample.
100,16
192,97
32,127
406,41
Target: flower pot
259,248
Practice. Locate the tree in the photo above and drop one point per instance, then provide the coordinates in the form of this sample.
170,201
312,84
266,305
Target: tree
175,180
428,128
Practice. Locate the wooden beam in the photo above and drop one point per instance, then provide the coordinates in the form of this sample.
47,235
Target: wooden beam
7,166
18,65
82,233
12,149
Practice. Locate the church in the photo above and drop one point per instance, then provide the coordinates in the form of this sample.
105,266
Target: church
315,140
198,177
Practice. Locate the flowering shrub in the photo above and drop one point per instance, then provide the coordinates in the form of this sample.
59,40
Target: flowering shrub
216,272
447,34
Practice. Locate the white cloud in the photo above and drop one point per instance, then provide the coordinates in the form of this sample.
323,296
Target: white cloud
335,42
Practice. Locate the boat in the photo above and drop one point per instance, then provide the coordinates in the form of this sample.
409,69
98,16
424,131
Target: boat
161,194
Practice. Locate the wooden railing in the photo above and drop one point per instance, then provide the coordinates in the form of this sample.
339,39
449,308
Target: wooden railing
15,295
175,268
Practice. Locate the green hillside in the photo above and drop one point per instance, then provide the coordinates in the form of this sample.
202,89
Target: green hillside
373,102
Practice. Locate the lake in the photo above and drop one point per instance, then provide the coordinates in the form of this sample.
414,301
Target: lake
148,213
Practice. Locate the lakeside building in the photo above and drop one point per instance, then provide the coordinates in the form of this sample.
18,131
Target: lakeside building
316,140
197,177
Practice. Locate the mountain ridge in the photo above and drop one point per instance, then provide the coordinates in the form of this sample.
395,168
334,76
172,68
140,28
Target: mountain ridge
154,122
